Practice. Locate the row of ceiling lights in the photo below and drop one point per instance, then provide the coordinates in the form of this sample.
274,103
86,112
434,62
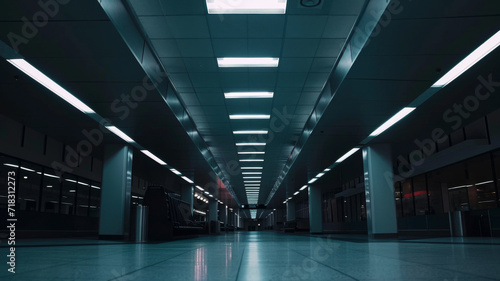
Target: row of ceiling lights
483,50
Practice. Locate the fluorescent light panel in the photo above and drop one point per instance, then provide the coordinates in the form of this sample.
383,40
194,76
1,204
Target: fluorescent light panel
251,168
252,177
250,132
250,152
250,143
303,187
251,160
487,47
312,180
349,153
119,133
248,95
248,116
152,156
175,172
251,173
41,78
393,120
296,192
187,179
248,62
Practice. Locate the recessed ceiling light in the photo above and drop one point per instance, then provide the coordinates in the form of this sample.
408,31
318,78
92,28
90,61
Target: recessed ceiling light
252,177
119,133
303,187
296,192
351,152
152,156
249,116
251,168
248,62
393,120
312,180
250,143
175,172
248,95
251,173
246,6
251,160
489,45
187,179
251,152
41,78
249,132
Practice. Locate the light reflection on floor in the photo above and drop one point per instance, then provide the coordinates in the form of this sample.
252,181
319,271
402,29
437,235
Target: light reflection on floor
262,256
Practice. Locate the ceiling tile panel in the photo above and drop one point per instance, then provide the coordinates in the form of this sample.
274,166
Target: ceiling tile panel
305,26
291,79
300,47
157,27
230,47
339,26
173,65
330,47
195,47
188,26
200,64
295,64
166,48
227,26
266,26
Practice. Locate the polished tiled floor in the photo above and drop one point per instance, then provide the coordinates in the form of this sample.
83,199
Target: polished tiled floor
261,256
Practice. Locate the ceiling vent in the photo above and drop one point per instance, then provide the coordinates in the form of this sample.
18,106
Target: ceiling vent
311,3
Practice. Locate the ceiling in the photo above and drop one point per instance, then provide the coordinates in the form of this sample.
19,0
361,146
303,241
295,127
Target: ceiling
88,53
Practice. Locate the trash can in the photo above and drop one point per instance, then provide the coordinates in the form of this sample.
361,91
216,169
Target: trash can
141,223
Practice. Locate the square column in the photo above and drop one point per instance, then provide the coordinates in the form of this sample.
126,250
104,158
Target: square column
315,212
379,191
116,192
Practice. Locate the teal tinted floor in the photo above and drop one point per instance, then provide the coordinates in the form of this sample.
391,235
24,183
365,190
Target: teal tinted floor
260,256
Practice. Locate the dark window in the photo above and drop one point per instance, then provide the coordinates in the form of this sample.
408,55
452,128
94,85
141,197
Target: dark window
407,201
482,193
420,195
82,200
29,186
50,193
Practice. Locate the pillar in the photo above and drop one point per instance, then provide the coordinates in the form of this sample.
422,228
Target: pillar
187,195
379,191
290,211
214,216
116,192
315,213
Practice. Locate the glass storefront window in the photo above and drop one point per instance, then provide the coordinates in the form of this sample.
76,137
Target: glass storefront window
437,189
29,186
482,193
51,185
496,160
68,193
95,200
82,201
420,195
407,200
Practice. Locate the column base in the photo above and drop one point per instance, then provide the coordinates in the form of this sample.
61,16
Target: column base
113,237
